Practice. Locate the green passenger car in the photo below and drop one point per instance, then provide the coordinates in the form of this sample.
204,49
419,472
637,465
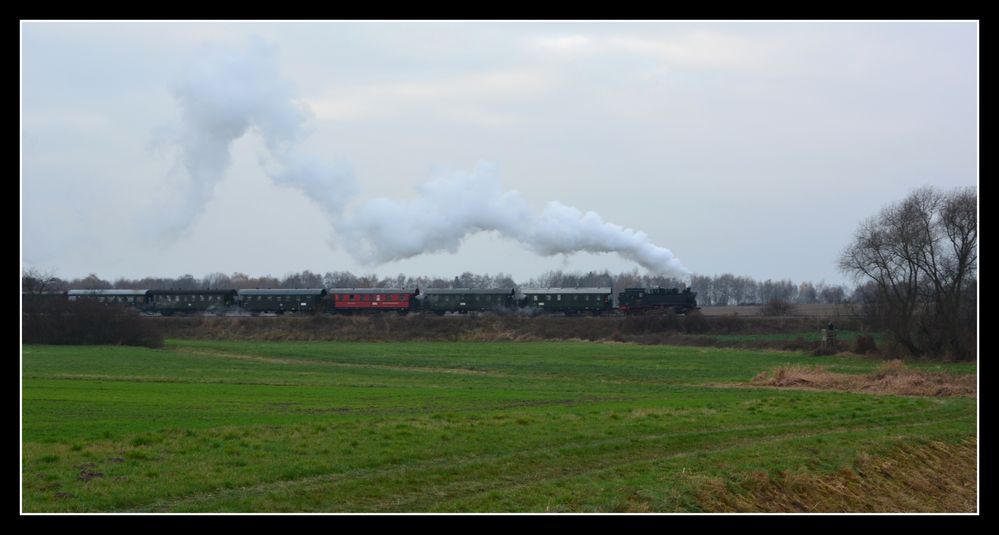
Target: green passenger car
170,302
279,301
569,301
465,300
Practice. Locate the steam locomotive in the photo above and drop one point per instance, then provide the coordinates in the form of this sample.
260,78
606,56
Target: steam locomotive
531,301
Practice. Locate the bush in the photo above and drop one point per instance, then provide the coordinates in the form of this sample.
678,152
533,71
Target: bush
864,345
778,307
86,323
695,322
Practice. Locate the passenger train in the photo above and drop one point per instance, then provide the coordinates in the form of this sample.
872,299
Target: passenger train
440,301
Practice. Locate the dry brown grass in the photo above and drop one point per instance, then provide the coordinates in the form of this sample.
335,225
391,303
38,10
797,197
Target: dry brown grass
893,377
934,477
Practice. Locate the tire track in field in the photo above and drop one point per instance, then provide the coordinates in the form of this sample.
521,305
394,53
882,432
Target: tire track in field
305,484
513,483
339,364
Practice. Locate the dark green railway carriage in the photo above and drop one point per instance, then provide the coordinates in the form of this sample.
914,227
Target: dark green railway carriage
567,300
464,300
134,298
279,301
169,302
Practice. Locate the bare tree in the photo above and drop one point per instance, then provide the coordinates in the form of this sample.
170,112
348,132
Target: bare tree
216,281
921,255
807,294
36,281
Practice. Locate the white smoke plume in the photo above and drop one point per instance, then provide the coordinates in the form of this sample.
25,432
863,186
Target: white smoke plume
449,208
226,93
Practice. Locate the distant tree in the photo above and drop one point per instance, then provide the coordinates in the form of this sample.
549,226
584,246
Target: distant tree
91,281
502,280
778,306
807,294
240,281
187,282
783,290
216,281
921,255
833,295
35,281
704,286
340,279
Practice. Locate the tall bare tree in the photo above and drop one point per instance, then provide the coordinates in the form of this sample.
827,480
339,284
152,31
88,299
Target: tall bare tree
921,254
36,281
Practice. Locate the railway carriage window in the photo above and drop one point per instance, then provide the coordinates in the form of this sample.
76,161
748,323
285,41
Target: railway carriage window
548,298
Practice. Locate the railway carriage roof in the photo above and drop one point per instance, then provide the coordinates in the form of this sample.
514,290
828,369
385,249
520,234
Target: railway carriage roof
284,291
475,291
530,291
108,292
192,292
374,291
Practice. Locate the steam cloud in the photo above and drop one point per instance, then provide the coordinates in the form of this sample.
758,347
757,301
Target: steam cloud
223,95
449,208
226,93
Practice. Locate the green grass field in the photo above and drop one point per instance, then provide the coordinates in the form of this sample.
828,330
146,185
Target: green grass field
442,427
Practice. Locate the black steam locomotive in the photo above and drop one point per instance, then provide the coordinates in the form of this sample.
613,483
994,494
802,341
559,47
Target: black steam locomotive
646,300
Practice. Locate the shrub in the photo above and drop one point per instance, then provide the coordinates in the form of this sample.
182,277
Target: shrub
864,344
778,307
86,323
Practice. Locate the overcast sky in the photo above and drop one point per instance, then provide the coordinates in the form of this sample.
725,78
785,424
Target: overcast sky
755,148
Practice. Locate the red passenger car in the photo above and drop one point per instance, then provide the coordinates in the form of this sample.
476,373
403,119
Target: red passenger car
359,300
